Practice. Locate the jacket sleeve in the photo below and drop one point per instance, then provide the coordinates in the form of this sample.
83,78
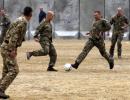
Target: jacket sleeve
39,29
126,20
106,26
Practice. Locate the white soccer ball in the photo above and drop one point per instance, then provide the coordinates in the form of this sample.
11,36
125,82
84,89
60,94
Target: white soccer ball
67,67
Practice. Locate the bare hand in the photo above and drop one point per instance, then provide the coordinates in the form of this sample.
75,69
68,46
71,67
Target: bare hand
36,39
1,24
125,26
87,33
13,54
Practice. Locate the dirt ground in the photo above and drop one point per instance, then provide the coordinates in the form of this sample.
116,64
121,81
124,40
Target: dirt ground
92,81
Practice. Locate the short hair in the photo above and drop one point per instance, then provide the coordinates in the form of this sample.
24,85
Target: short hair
119,9
27,11
50,12
97,11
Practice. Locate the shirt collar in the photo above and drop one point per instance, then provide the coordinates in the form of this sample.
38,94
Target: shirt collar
22,18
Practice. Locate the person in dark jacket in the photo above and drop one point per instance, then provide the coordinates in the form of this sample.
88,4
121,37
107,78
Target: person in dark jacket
42,15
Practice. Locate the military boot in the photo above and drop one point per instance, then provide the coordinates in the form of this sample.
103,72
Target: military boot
50,68
3,95
75,65
111,63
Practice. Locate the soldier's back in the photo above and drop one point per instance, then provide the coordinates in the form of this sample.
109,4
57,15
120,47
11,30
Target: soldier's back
14,33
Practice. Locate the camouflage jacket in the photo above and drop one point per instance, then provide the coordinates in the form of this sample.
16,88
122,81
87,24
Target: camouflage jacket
5,21
99,27
44,30
118,22
15,34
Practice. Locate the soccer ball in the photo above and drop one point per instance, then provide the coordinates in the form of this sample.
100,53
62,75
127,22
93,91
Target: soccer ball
67,67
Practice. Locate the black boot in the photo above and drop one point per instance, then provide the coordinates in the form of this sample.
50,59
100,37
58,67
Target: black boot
75,65
50,68
3,95
29,55
111,63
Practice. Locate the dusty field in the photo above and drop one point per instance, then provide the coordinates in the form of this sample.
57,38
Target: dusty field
92,81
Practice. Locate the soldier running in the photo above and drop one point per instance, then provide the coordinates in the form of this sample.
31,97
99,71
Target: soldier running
120,23
96,39
13,39
43,35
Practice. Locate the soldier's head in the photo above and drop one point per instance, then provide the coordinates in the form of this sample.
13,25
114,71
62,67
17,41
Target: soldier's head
119,11
2,12
50,15
41,9
97,15
28,13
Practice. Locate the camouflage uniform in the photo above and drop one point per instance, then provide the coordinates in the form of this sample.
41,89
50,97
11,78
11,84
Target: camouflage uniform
45,32
5,23
96,39
117,36
12,41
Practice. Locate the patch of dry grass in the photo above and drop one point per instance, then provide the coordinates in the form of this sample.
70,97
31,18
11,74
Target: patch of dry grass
92,81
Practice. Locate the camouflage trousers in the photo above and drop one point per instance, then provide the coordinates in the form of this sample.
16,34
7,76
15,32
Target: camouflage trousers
10,70
47,49
99,43
116,38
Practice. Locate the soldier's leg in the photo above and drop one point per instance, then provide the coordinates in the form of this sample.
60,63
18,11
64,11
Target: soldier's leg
5,69
119,45
88,46
43,52
53,58
13,70
113,42
101,46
